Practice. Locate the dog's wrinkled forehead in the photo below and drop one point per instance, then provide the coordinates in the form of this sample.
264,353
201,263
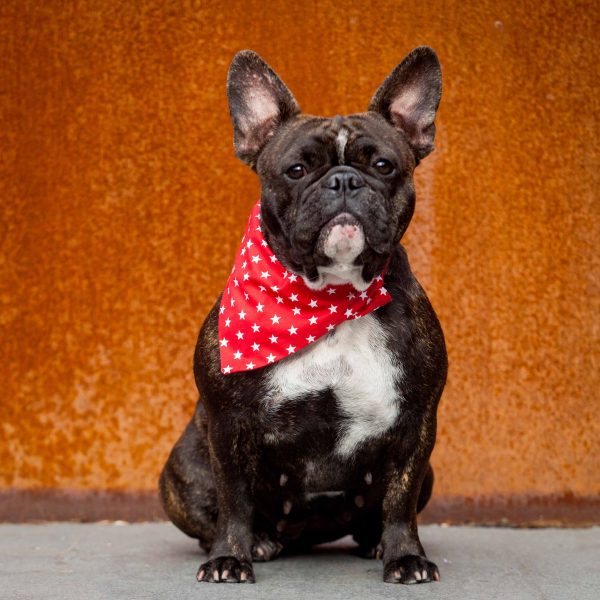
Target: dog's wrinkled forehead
339,140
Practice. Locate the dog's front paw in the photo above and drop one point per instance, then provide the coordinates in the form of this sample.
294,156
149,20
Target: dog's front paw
226,569
410,569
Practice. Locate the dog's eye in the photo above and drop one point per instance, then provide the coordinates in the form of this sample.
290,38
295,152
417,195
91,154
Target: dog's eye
385,167
296,171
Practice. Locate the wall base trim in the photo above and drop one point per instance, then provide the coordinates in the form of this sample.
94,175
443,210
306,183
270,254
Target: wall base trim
524,510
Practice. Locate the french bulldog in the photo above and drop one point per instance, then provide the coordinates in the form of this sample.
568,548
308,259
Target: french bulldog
333,439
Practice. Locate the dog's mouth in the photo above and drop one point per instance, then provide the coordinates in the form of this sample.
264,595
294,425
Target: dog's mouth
339,245
342,239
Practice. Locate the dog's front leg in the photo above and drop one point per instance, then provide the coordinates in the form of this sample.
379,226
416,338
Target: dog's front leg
404,559
233,462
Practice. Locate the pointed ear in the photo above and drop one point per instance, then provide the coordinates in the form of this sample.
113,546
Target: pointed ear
259,102
410,96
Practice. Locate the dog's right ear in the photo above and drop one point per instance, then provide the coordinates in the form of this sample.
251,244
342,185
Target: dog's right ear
259,102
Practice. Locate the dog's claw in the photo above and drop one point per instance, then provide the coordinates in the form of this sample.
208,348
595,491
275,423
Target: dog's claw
410,569
225,569
264,548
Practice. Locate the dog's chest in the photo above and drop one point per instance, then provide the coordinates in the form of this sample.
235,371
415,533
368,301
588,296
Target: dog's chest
355,366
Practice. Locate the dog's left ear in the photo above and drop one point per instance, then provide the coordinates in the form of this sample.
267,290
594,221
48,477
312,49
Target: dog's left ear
259,102
410,96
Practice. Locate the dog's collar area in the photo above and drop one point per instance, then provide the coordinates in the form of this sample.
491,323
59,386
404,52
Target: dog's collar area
268,313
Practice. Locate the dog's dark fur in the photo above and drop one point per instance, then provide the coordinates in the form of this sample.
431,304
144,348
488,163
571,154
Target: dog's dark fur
249,481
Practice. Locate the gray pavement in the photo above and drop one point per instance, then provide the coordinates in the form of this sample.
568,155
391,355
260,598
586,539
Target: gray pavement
70,561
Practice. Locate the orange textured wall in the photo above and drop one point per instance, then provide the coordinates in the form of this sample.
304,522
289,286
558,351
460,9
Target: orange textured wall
122,206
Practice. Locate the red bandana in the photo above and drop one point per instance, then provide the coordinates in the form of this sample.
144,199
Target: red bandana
268,313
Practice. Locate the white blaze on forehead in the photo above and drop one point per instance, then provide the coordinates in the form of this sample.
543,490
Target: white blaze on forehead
340,143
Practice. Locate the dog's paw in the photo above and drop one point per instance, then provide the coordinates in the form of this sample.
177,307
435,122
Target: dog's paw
410,569
225,569
264,548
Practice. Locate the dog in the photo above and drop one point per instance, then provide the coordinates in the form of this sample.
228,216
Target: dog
296,442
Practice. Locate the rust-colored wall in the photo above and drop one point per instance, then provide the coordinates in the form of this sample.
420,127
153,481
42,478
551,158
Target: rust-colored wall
122,206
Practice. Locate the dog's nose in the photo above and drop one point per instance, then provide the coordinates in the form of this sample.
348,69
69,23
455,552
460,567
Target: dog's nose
344,181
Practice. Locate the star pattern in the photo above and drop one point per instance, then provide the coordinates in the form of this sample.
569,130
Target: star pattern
268,313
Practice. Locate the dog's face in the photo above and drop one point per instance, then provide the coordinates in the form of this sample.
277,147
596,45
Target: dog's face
337,193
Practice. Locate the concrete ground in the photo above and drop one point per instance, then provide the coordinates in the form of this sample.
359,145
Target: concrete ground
69,561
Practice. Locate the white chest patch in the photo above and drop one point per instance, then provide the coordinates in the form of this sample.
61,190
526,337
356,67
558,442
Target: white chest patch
356,366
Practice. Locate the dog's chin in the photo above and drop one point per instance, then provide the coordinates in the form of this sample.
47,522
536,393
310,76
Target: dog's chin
340,242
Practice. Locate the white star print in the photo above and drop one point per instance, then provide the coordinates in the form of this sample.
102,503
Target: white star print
331,291
224,342
227,370
310,339
264,243
313,320
236,282
265,275
382,291
255,258
246,296
273,259
294,297
250,365
237,355
363,295
222,309
293,277
313,304
249,243
273,339
351,296
348,312
330,327
275,288
232,302
262,288
227,322
242,315
296,311
255,346
275,319
255,328
293,330
378,278
246,276
244,264
259,307
240,335
291,349
332,308
271,358
279,299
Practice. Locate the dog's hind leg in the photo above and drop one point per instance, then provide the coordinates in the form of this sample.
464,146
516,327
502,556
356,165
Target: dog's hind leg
187,488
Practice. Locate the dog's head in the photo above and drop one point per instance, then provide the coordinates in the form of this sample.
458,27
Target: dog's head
337,193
